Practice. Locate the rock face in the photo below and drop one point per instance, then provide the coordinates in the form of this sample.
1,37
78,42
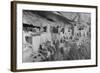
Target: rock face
56,31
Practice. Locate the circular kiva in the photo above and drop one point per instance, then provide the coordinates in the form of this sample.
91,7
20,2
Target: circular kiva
37,57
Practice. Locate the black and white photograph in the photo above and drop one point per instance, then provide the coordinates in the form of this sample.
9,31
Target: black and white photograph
56,36
47,36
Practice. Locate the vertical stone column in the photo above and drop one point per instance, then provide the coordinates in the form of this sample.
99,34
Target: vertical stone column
35,43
